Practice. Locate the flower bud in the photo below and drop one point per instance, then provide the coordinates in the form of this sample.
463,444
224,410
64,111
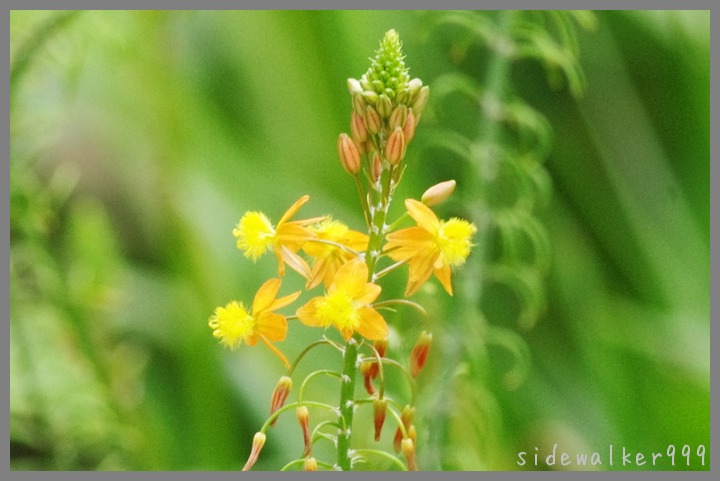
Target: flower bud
421,99
280,394
404,97
310,464
303,417
357,128
438,193
407,415
379,411
366,369
376,170
409,127
380,346
395,146
354,86
408,449
398,116
358,103
384,106
419,353
414,86
349,154
370,97
373,122
257,445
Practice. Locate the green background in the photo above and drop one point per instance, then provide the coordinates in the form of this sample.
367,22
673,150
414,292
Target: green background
138,139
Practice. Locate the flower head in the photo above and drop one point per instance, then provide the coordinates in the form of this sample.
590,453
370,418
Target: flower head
256,234
346,305
234,324
433,246
327,249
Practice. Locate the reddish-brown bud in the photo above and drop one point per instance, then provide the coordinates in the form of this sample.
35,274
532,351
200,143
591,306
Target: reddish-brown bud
303,417
398,117
257,445
379,411
310,464
408,449
407,415
438,193
357,128
366,369
373,122
419,353
381,347
349,154
395,146
280,395
409,127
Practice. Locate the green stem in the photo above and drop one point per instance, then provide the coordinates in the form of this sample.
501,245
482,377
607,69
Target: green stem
347,402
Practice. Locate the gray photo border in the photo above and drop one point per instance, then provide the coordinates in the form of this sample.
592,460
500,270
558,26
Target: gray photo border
5,472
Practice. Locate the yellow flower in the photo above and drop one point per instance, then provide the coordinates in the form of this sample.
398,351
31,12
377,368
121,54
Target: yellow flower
329,257
433,246
255,235
234,324
346,305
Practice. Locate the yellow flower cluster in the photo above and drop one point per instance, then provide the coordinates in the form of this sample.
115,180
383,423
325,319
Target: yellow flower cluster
337,260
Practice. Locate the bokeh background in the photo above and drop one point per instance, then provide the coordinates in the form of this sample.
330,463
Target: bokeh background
580,144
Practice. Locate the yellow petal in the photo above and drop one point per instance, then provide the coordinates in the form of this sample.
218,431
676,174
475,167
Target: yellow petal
293,209
420,270
372,324
369,293
406,243
265,295
273,326
444,275
293,235
351,278
295,262
308,313
423,215
284,301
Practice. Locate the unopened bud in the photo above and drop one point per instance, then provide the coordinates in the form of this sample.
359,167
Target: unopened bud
414,86
380,346
407,415
408,449
357,128
398,116
395,147
257,445
409,128
358,103
419,353
404,96
366,369
370,97
376,170
303,417
384,106
421,99
438,193
310,464
373,122
349,154
280,395
354,86
379,411
412,433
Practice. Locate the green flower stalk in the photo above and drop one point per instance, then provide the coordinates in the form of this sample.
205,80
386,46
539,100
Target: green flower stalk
386,107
